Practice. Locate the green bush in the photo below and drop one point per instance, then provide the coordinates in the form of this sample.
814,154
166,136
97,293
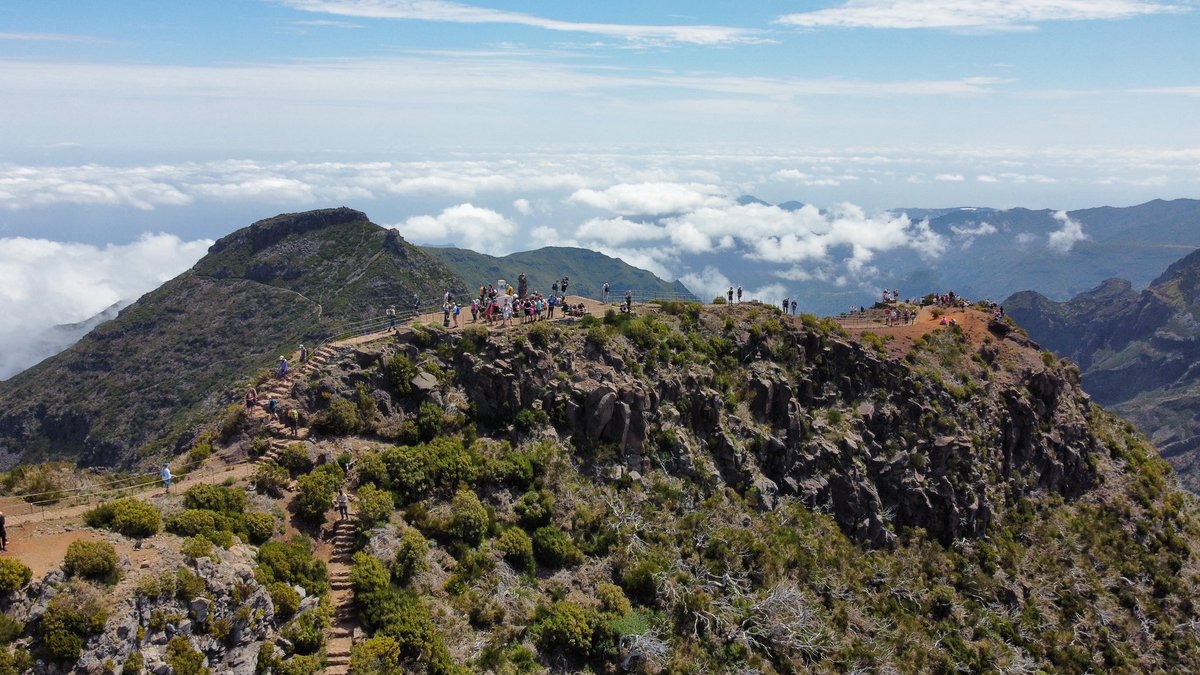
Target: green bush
285,599
183,659
415,472
259,526
400,372
197,547
93,560
535,509
295,459
307,631
368,576
69,619
217,498
14,575
374,506
517,548
410,556
341,418
292,563
540,335
527,420
430,421
612,599
196,522
188,585
474,339
376,656
10,629
553,548
271,479
315,492
468,518
129,516
564,627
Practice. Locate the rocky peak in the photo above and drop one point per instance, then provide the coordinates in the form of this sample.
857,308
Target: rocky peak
268,231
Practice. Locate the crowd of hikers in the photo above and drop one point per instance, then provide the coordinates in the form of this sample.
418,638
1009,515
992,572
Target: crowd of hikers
501,303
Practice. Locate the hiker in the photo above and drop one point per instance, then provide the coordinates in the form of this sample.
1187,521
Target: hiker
550,307
739,295
273,407
3,534
554,286
282,367
474,311
628,301
166,478
564,285
793,308
303,354
729,294
785,305
457,311
416,304
446,314
343,508
251,398
606,292
294,420
391,315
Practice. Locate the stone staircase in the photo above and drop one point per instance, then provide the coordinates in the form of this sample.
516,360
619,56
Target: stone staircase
340,638
281,389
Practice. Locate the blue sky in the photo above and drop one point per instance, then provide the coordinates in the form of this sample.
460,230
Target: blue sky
509,125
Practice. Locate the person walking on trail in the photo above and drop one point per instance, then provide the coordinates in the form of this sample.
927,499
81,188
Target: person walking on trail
606,292
729,294
283,367
294,421
391,315
416,304
739,294
3,534
342,505
166,478
303,354
251,398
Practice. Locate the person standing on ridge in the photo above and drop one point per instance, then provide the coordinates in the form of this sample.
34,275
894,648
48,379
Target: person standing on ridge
303,355
793,308
166,478
739,295
391,315
564,285
729,295
416,304
628,301
606,292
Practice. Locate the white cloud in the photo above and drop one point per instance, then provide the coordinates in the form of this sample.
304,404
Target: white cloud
650,198
522,206
1026,238
465,225
453,12
619,231
972,14
45,283
1063,239
967,235
987,179
949,177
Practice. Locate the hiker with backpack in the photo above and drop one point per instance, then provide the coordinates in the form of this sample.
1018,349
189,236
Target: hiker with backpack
294,421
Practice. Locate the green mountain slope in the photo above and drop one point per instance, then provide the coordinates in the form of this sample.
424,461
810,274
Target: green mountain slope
140,381
587,270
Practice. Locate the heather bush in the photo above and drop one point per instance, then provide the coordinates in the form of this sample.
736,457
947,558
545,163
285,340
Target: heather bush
285,600
468,520
517,548
410,556
292,563
93,560
14,575
129,516
553,548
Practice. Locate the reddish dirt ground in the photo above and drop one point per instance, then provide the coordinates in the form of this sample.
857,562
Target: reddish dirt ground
972,321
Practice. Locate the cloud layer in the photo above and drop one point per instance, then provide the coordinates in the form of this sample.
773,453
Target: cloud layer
972,14
45,283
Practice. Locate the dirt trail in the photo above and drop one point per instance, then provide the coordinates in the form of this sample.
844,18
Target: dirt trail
972,321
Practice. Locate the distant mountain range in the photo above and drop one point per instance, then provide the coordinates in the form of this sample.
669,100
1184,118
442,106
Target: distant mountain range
1139,352
587,270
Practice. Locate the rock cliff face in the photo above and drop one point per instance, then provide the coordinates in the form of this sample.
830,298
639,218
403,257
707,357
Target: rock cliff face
137,385
1136,350
782,410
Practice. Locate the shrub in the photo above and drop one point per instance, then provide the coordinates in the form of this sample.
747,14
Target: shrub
468,518
133,665
293,563
342,417
563,627
215,498
315,492
400,372
553,548
527,420
183,659
129,516
474,339
271,479
374,506
540,335
517,548
10,629
430,421
14,575
307,631
295,459
197,547
368,577
69,619
285,599
410,556
92,559
259,526
188,585
612,599
196,522
376,656
535,509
